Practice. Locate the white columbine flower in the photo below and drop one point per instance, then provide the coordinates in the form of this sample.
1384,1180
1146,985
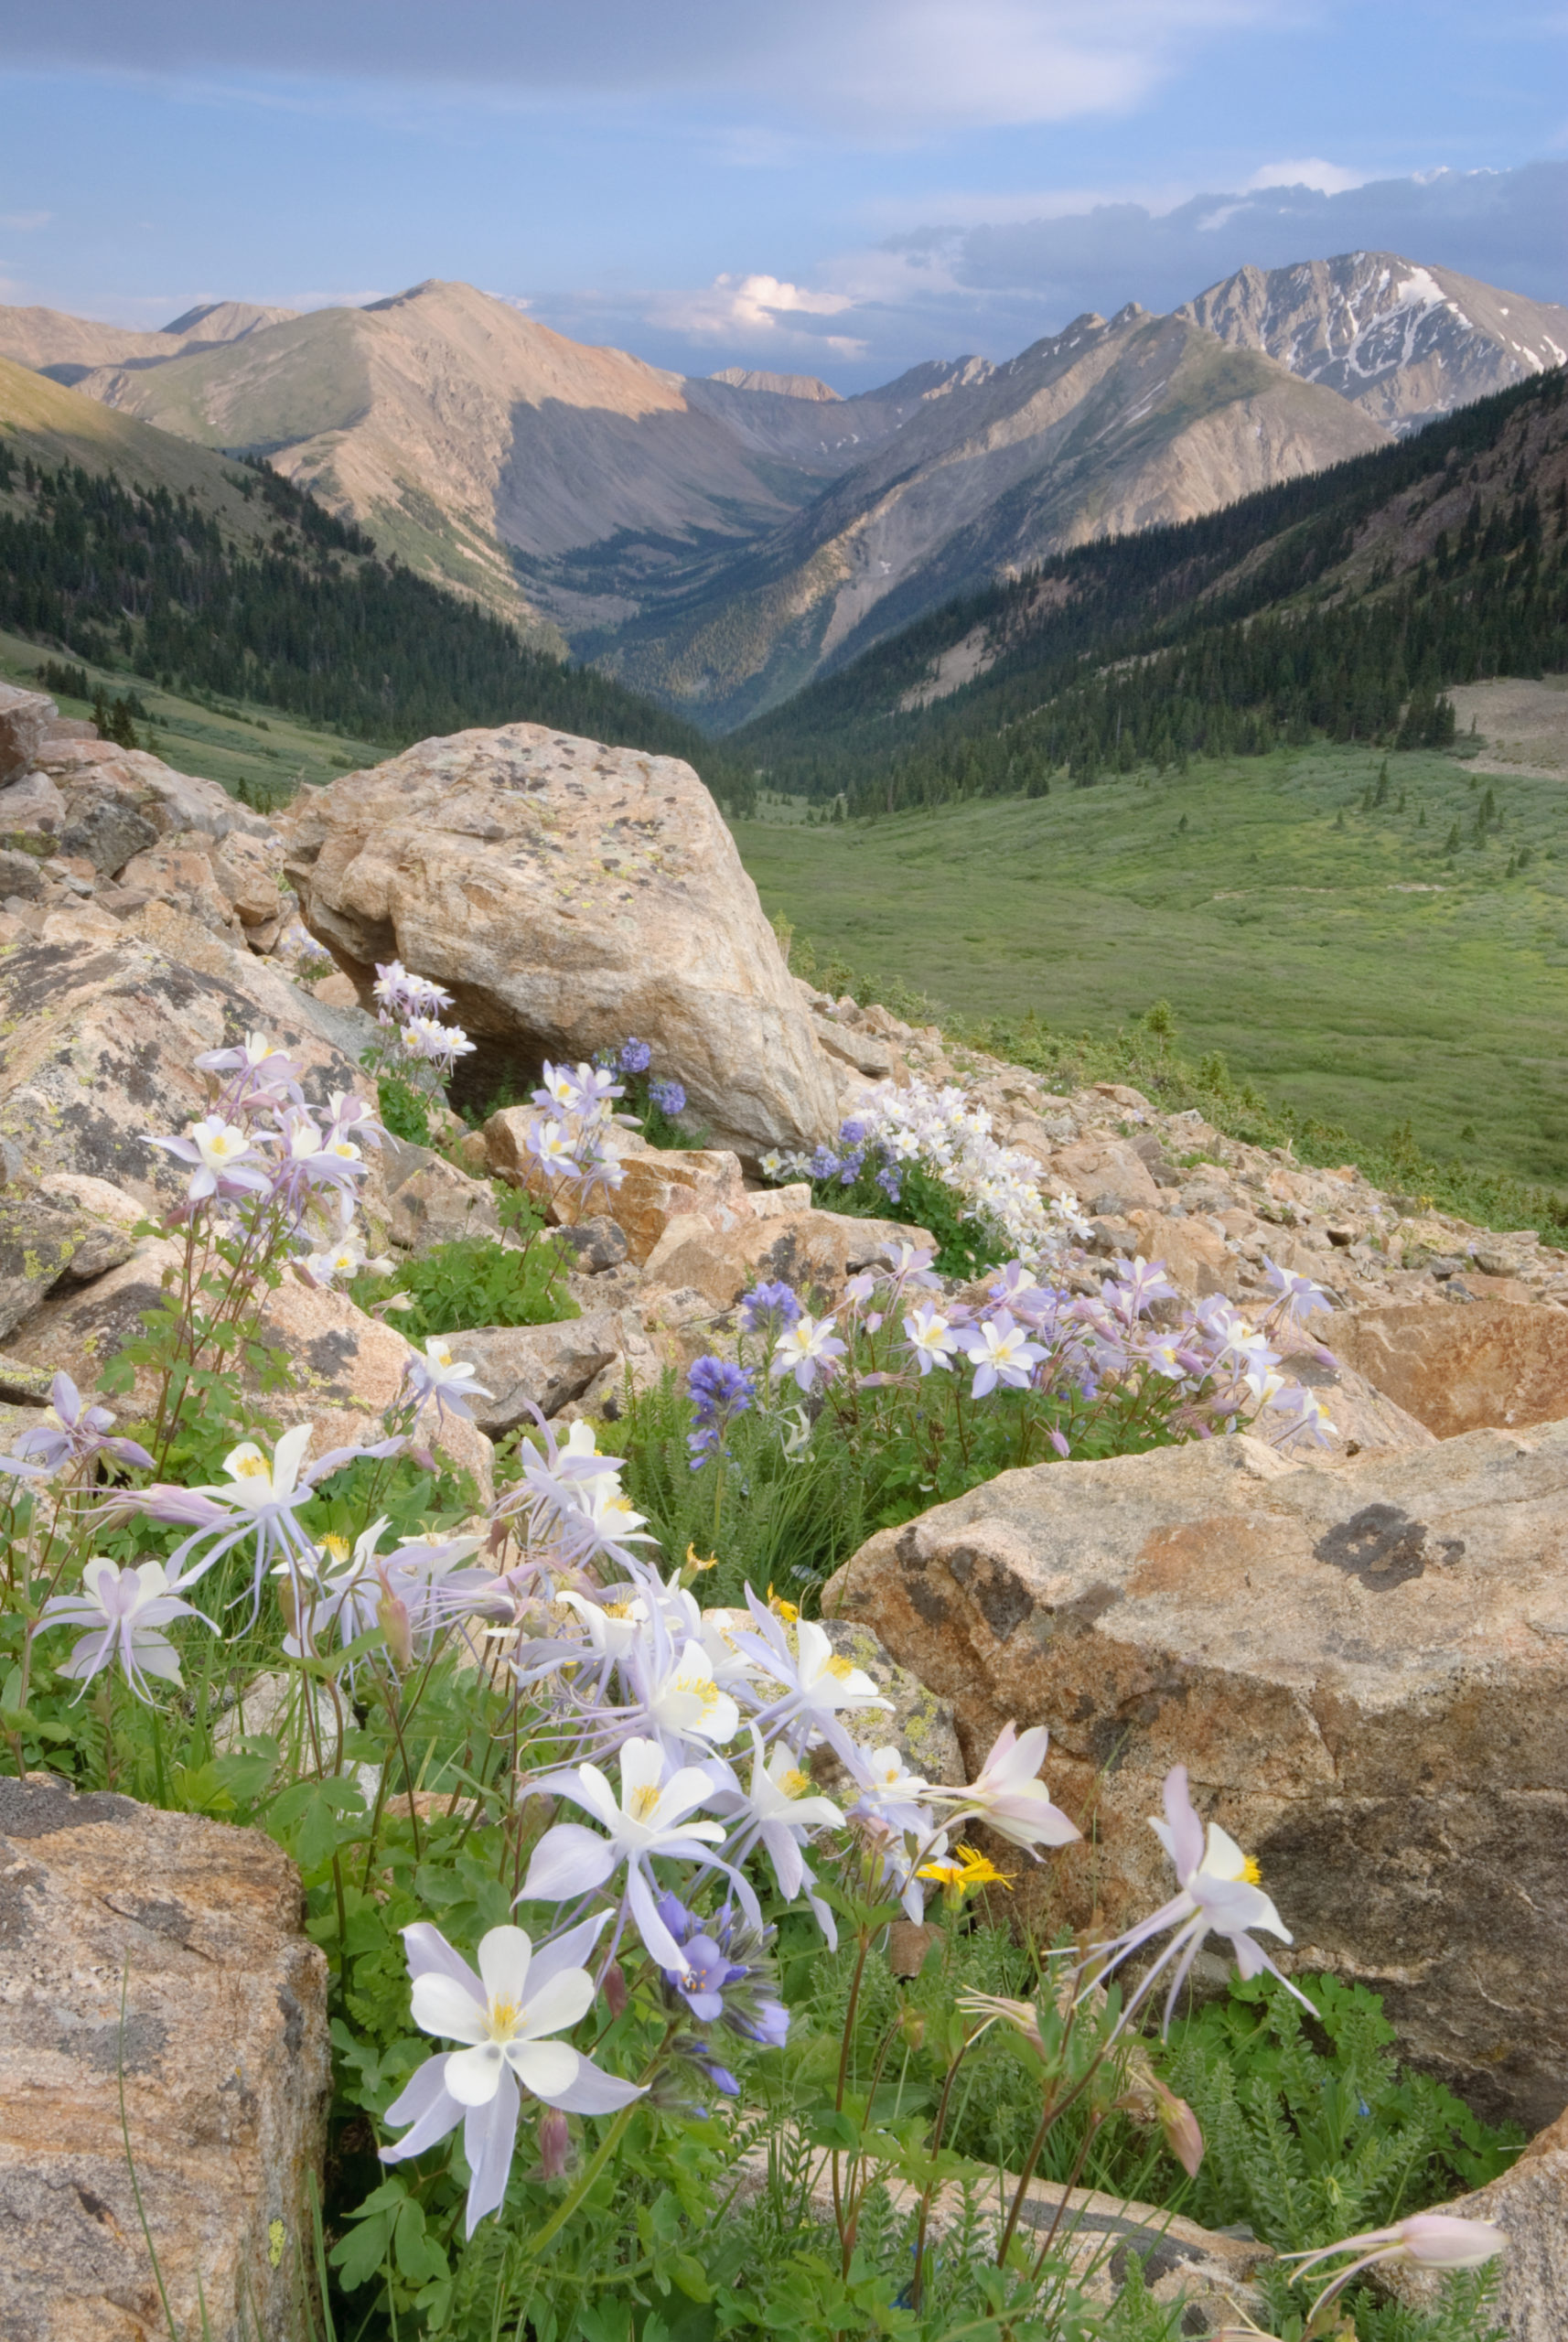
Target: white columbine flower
779,1811
1000,1351
505,2017
439,1376
929,1336
648,1818
807,1350
1219,1894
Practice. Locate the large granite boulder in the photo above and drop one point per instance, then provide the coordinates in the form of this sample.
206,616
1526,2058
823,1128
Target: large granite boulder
24,718
568,894
1363,1666
1491,1364
220,2047
97,1043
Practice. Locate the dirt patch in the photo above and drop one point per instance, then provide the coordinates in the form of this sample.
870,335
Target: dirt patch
1524,727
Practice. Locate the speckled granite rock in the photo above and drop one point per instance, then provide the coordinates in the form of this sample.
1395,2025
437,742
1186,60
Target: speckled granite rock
224,2052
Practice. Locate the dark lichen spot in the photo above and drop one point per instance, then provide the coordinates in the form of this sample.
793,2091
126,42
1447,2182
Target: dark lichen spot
37,1808
1383,1547
293,2021
331,1353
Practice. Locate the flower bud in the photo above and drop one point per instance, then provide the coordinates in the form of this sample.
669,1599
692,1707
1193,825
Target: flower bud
554,2144
1183,2137
612,1984
912,2025
392,1618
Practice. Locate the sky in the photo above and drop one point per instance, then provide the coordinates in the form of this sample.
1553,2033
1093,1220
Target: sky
839,187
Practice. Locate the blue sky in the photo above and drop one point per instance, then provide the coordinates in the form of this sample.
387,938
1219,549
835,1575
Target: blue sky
838,186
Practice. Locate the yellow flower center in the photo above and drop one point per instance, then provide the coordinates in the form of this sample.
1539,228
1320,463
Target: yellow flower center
1251,1872
795,1783
503,2020
334,1546
253,1467
841,1668
616,1609
643,1801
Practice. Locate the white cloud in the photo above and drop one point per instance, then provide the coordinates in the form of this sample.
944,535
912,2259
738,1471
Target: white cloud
751,310
25,219
1323,179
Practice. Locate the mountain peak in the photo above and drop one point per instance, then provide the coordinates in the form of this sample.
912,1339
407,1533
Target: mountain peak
783,386
1403,341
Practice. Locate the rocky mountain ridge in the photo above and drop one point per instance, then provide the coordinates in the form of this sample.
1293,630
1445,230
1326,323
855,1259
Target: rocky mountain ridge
1404,343
717,540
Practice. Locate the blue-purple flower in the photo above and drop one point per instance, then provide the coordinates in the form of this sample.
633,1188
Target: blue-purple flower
670,1098
770,1305
719,1391
636,1057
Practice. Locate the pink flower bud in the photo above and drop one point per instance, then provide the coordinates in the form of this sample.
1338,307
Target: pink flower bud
554,2144
1442,2240
613,1986
1183,2137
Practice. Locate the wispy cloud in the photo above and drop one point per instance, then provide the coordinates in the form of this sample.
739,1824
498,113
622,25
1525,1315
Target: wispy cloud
881,68
25,219
1323,179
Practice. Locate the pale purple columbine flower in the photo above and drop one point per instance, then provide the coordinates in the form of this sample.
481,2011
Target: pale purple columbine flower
590,1089
504,2016
719,1391
448,1381
267,1072
670,1097
123,1611
910,1269
73,1432
809,1348
405,995
776,1812
1299,1294
1425,2239
1305,1415
636,1057
930,1336
1008,1794
259,1498
553,1148
650,1817
815,1684
1137,1288
1000,1353
226,1163
1218,1895
769,1305
434,1043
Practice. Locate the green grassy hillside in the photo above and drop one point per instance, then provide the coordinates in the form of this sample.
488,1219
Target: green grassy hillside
1341,956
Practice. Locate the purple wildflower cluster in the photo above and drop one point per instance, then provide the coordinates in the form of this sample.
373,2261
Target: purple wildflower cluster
683,1741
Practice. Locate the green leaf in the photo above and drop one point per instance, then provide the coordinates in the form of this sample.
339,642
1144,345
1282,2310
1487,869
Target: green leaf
689,2275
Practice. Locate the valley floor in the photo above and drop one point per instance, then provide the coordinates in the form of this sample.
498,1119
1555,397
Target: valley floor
1342,957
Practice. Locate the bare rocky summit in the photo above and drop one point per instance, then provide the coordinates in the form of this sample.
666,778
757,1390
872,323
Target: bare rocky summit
1403,342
